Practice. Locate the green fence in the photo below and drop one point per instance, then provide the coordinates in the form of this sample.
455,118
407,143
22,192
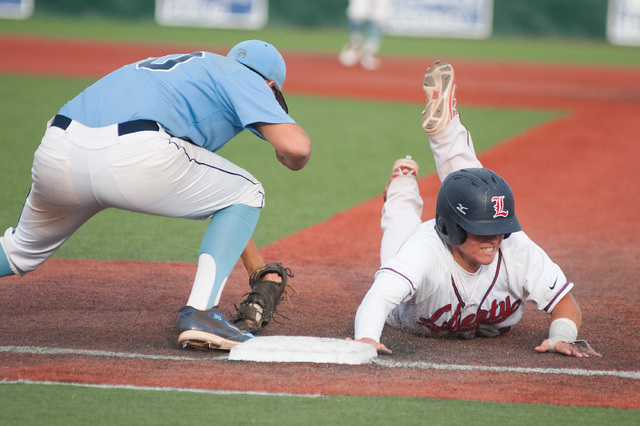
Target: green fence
556,18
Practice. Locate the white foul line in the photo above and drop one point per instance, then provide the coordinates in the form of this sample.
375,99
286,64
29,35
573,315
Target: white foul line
564,371
376,361
59,351
160,389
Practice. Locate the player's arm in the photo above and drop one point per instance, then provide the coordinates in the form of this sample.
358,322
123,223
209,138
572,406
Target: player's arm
292,144
566,319
387,291
568,308
251,257
253,260
370,319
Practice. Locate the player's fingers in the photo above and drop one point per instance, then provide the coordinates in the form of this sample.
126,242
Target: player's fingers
383,349
583,348
563,348
544,346
594,353
587,352
577,350
568,349
578,354
379,346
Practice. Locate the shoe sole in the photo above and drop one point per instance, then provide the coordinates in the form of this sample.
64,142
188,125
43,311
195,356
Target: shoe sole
204,341
439,81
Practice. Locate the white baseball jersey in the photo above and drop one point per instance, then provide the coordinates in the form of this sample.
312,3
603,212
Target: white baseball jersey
421,288
363,10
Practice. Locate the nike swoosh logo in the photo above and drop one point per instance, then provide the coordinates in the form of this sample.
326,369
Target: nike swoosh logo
554,284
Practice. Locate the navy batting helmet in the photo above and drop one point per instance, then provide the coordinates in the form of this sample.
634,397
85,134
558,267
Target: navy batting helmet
477,201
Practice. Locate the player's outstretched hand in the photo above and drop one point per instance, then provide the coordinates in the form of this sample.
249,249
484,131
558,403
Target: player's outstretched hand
579,349
379,346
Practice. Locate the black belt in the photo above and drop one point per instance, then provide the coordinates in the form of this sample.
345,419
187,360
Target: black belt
123,128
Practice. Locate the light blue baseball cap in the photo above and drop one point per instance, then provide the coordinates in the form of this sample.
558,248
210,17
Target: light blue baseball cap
264,59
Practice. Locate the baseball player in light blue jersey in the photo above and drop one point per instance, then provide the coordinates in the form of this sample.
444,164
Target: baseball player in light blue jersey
143,139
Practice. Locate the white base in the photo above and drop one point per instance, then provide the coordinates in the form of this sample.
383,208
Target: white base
303,349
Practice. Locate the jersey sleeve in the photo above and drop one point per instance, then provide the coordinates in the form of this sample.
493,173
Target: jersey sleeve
253,100
537,278
388,290
403,278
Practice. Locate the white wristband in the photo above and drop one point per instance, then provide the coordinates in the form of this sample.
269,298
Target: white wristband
562,330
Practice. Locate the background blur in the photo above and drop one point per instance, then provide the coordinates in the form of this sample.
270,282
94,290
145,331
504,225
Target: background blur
566,18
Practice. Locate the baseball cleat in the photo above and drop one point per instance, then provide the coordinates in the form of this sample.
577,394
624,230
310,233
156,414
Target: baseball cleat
350,54
439,85
207,330
402,167
370,62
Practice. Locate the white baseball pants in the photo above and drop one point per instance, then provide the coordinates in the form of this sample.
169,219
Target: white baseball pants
81,171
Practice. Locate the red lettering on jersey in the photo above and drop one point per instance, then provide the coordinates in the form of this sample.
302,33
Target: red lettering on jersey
497,313
431,322
499,206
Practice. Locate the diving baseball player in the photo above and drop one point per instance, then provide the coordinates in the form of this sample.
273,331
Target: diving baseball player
143,139
469,271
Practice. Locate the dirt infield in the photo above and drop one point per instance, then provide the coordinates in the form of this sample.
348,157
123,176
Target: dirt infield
575,180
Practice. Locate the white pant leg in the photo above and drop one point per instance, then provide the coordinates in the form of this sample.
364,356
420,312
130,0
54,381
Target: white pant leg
61,199
453,149
81,171
368,10
401,215
154,173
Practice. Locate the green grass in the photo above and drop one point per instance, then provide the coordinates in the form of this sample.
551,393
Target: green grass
331,40
350,164
63,405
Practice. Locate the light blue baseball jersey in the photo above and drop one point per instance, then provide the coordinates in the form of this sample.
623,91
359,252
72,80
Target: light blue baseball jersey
204,97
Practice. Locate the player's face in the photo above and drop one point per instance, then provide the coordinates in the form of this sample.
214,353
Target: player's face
477,250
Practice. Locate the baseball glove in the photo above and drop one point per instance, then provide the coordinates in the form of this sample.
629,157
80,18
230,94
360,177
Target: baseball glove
259,306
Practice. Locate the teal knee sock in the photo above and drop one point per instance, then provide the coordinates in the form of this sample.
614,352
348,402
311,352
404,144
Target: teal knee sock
225,239
5,267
